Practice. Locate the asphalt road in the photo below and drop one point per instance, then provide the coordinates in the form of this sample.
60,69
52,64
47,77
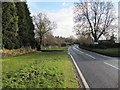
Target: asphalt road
98,70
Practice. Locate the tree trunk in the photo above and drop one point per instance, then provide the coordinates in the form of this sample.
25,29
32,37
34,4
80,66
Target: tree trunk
39,45
38,48
95,40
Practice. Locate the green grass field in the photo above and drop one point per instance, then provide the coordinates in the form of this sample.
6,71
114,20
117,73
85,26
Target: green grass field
114,52
47,69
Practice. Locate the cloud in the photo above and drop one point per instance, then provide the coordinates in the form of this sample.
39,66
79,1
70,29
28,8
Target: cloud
64,20
64,3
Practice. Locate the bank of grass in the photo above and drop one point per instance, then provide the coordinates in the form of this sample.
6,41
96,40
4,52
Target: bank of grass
113,52
56,48
49,69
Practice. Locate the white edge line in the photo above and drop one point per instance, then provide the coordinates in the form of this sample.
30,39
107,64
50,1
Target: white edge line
112,65
100,55
80,73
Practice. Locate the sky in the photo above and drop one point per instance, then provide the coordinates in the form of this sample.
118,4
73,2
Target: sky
59,12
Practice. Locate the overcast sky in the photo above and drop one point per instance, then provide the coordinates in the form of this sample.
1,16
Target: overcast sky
60,12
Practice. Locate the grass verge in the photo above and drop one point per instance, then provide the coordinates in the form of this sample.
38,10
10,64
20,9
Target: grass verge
113,52
49,69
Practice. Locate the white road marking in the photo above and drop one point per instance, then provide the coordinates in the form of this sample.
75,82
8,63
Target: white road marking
80,73
78,50
81,51
90,56
111,65
85,53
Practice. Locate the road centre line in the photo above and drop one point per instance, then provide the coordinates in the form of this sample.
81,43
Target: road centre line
81,51
111,65
78,50
90,56
85,53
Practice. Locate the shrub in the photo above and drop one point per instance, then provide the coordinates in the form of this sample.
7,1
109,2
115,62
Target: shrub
15,52
63,44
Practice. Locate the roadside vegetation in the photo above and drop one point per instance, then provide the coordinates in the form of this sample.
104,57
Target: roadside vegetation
14,52
47,69
94,32
32,56
113,52
105,47
35,58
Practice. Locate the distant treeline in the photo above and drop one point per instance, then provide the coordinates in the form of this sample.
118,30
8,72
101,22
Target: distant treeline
17,26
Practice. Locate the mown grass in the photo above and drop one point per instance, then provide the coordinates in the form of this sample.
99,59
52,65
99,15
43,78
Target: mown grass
49,69
114,52
56,48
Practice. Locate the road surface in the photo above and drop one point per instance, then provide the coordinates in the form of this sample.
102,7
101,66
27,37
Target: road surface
98,70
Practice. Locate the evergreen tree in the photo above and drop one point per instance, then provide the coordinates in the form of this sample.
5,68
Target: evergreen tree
22,24
25,25
9,25
30,27
0,25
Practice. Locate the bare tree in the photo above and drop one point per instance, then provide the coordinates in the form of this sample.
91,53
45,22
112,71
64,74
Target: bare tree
95,18
48,39
42,26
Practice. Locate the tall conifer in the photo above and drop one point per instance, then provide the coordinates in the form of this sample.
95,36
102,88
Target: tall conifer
9,25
